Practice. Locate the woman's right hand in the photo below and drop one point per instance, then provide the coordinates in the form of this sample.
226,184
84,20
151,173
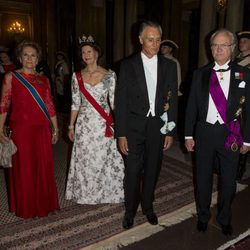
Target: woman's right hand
71,134
3,138
123,145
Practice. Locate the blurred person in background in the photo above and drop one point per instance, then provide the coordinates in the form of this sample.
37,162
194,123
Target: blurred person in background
62,79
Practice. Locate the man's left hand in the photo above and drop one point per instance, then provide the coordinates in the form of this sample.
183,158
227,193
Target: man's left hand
244,149
168,142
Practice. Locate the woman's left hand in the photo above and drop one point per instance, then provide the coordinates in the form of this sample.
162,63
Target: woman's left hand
54,137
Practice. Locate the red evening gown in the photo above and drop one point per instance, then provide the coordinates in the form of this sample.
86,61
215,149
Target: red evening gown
32,187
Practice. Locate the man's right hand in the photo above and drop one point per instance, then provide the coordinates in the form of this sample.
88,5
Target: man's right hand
189,143
123,145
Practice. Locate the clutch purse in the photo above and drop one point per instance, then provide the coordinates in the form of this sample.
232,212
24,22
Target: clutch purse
7,149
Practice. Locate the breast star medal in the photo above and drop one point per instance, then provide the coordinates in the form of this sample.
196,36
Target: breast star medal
242,99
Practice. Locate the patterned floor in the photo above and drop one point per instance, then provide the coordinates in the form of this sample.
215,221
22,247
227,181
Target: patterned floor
61,156
76,226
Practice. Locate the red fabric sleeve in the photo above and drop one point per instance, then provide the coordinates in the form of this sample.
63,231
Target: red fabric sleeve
6,93
49,101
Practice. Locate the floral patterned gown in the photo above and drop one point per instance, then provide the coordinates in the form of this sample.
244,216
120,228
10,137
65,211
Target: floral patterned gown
96,169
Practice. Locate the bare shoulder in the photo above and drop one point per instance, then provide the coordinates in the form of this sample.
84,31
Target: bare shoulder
103,71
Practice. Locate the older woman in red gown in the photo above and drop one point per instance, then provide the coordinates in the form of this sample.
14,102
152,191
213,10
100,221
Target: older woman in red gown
32,182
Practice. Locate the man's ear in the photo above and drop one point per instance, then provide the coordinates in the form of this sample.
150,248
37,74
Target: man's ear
233,47
140,39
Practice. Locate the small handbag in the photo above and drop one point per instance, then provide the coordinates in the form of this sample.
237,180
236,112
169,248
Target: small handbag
7,149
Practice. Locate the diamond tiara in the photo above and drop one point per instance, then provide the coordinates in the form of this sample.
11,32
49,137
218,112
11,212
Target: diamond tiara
86,39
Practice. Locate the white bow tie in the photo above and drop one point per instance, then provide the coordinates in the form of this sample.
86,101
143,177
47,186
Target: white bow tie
223,68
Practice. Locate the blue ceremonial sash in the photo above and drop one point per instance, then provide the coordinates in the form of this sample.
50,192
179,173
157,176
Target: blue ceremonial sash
34,94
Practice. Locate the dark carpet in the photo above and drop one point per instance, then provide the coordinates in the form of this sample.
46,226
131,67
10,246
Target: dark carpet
243,244
76,226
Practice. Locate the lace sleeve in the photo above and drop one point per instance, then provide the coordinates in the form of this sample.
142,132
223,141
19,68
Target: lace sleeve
112,89
6,93
48,100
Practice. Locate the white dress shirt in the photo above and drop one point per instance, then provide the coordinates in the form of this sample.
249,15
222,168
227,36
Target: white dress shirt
150,69
213,115
224,79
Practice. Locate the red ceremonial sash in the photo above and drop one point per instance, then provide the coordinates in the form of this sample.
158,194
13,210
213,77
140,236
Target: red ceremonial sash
93,102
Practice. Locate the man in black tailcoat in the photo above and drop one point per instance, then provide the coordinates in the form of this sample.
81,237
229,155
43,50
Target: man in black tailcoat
216,128
146,90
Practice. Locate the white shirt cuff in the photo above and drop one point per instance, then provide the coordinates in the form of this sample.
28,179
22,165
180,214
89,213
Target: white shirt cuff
188,137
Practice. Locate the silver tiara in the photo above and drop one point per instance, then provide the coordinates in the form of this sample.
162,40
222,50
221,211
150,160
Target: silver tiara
86,39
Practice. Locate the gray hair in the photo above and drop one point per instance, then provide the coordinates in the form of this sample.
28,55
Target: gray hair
229,33
146,24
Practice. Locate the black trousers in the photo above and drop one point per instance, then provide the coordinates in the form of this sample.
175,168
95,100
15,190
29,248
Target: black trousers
209,145
142,165
242,166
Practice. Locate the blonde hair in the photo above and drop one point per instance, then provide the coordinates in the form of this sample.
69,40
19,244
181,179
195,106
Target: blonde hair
24,44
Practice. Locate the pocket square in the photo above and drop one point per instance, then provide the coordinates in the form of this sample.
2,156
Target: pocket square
242,84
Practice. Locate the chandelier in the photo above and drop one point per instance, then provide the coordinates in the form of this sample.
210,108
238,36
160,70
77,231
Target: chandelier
221,4
16,27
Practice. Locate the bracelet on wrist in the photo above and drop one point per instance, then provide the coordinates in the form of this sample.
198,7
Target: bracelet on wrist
55,131
71,127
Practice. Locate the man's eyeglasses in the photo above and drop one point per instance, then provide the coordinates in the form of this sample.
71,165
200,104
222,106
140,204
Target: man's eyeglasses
222,46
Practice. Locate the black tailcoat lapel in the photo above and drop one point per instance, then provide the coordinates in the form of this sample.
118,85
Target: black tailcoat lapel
205,88
231,101
160,80
140,75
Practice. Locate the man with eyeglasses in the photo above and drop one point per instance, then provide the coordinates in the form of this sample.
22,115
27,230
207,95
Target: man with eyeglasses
216,129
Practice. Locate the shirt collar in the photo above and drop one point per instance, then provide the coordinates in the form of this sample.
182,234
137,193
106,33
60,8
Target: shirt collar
224,66
149,60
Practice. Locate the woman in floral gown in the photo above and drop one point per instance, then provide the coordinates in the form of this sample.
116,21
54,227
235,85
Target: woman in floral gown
96,169
32,186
